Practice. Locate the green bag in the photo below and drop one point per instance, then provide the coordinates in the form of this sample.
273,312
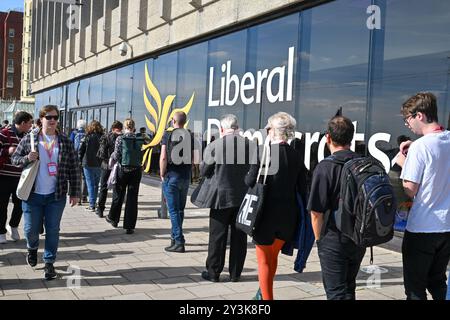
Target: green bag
131,151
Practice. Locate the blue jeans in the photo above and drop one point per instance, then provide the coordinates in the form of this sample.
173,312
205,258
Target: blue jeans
92,175
43,207
175,191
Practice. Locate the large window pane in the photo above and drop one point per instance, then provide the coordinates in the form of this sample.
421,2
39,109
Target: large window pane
83,92
278,94
109,86
191,79
95,90
333,64
123,92
414,56
226,53
138,83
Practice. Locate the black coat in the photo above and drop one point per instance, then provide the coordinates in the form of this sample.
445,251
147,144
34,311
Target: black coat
280,212
88,150
227,171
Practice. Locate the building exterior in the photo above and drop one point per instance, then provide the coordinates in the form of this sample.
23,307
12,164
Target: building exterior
110,60
26,53
10,54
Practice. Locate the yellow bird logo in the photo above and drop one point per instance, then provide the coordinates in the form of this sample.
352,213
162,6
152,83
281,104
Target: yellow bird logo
160,116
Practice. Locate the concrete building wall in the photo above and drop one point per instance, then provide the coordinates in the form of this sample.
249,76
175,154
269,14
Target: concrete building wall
91,34
26,51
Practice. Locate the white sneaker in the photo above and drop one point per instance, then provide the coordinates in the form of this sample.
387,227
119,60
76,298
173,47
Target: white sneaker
13,232
3,238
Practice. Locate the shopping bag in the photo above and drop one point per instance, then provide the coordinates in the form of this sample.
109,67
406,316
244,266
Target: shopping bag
112,179
28,176
205,194
251,208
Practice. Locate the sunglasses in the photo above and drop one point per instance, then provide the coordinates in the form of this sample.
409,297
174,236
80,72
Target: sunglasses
406,119
51,118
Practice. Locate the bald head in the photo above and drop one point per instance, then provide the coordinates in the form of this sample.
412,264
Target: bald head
179,119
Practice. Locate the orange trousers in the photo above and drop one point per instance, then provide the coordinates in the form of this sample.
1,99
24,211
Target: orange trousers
267,257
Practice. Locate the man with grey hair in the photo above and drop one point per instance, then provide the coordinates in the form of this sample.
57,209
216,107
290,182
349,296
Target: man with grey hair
227,161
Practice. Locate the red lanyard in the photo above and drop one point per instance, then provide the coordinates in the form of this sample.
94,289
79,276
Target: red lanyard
49,148
438,129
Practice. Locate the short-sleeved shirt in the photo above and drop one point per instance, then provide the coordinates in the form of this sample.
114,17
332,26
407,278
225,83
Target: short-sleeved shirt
182,171
326,186
428,164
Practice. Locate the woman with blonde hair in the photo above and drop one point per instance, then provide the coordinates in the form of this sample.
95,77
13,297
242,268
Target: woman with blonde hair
128,155
90,163
279,217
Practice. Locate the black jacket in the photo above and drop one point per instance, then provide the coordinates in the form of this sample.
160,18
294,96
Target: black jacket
107,145
88,150
280,212
228,173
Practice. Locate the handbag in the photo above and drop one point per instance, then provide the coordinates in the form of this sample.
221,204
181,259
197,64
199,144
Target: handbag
112,179
205,194
250,211
28,176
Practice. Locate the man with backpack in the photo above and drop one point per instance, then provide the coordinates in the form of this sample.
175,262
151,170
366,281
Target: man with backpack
128,155
426,178
10,175
107,144
175,170
352,207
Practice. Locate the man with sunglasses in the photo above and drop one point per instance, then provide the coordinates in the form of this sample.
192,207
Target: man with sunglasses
426,178
58,164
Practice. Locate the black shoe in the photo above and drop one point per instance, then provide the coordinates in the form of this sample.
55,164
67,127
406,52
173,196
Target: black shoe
32,257
235,279
129,231
99,212
207,276
49,271
114,224
92,209
176,248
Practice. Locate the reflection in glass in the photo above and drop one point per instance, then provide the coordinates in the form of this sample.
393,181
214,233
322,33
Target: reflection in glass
123,92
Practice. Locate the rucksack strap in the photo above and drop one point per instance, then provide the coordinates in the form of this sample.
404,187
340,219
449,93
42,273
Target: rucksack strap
371,255
327,214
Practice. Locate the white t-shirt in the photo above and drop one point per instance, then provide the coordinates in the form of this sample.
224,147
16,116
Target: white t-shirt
428,164
45,183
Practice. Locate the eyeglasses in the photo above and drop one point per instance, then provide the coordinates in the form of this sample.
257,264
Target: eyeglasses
406,119
51,118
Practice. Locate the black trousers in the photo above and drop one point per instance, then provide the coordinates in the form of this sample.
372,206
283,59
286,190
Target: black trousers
340,262
219,222
103,190
127,182
425,260
8,187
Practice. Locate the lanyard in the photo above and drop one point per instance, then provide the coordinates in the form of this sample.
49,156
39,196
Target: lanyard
440,128
49,148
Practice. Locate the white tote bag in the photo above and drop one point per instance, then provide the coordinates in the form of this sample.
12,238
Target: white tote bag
28,176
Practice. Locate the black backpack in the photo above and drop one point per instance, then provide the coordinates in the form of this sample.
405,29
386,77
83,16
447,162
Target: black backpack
367,203
132,152
177,137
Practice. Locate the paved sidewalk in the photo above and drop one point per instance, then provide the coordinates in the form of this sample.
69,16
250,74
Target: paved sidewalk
114,265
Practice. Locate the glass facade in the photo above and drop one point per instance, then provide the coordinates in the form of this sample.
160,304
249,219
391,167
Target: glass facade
366,56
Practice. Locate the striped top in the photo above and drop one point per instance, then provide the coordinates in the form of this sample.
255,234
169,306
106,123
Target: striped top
9,137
